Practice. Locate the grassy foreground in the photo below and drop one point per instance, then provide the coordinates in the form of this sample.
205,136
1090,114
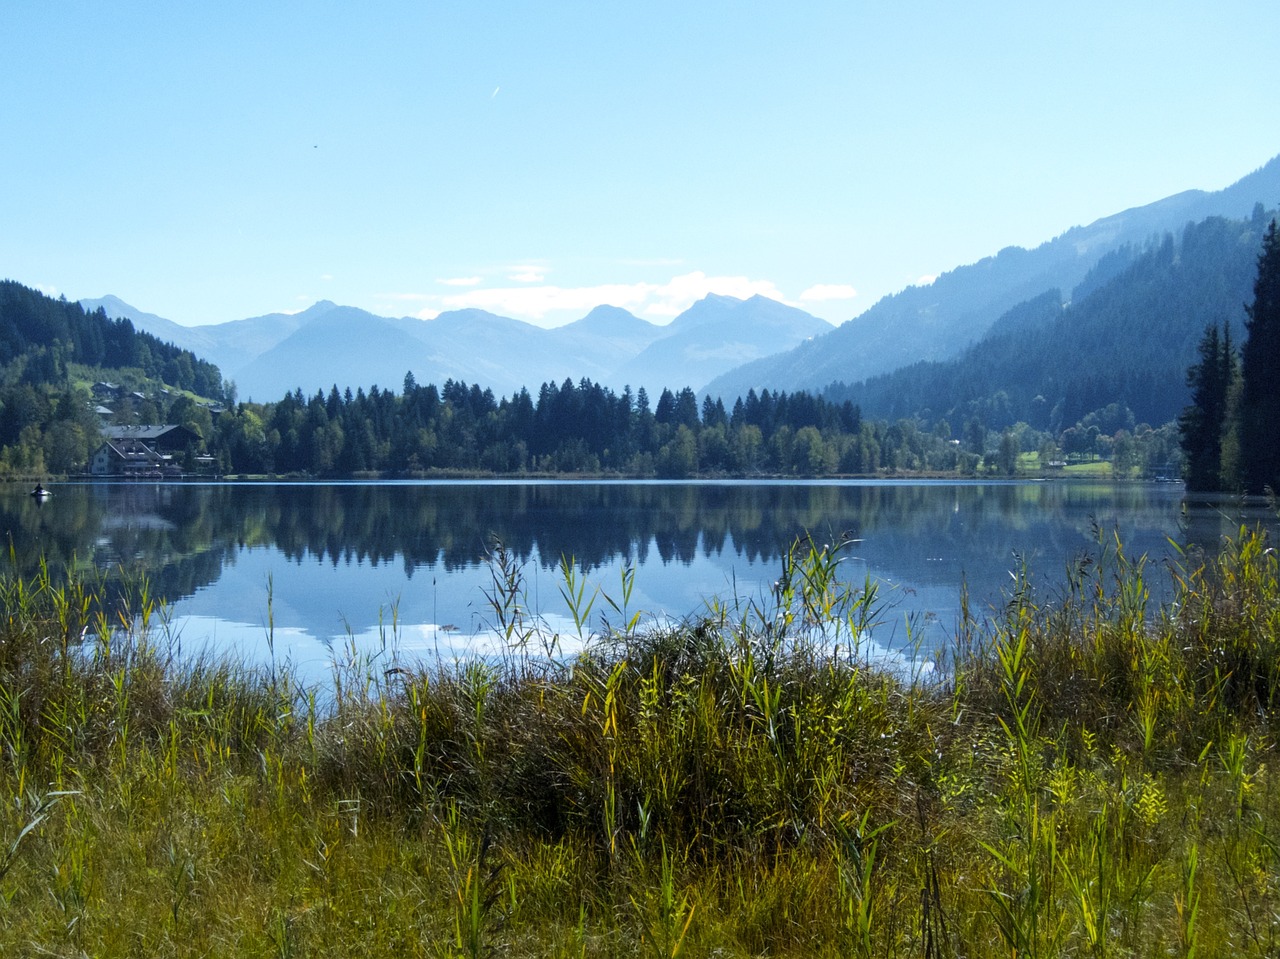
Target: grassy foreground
1091,777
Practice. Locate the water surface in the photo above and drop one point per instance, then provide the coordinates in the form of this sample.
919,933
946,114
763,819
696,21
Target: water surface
326,566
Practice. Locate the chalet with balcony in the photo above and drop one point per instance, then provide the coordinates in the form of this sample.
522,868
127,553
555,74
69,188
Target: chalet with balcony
141,452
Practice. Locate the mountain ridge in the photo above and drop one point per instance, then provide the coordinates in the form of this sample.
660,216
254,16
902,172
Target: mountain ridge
327,345
937,321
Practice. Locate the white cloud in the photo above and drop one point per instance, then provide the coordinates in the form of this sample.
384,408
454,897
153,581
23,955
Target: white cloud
926,280
326,277
461,281
527,274
821,292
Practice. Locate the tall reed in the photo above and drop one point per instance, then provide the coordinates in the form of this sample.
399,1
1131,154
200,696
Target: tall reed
1091,773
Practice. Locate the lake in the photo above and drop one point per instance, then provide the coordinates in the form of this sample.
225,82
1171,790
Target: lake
325,568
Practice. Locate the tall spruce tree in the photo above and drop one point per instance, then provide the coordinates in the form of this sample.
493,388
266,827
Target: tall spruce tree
1203,424
1259,411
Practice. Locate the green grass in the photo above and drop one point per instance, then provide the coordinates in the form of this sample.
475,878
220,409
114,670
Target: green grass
1091,775
1098,469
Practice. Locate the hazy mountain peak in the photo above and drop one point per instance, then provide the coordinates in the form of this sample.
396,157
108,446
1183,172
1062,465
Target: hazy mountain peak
712,308
606,310
609,321
317,309
118,309
111,303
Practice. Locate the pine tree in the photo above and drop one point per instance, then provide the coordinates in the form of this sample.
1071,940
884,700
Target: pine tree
1259,412
1203,424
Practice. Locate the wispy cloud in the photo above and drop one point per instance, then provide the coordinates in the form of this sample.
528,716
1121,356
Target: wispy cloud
821,292
461,281
527,274
926,280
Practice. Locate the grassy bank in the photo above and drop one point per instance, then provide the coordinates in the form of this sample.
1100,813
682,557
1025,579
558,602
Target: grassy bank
1089,776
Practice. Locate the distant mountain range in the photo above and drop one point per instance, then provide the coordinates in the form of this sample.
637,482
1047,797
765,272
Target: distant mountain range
721,346
329,345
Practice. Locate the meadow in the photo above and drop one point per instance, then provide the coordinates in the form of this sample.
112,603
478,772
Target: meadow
1088,773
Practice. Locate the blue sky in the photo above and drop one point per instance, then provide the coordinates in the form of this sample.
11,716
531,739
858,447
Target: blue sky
213,161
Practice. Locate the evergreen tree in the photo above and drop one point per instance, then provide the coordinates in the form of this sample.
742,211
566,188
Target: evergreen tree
1203,424
1259,414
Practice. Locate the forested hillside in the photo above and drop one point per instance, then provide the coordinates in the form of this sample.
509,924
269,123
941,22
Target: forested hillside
39,336
50,351
1120,348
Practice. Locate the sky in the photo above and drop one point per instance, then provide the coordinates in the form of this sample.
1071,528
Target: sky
209,162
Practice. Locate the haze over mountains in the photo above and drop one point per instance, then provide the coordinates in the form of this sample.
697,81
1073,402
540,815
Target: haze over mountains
721,346
329,344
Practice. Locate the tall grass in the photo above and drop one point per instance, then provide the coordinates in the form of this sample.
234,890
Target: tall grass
1088,774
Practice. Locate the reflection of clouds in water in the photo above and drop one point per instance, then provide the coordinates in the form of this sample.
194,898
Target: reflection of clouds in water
430,646
312,659
208,637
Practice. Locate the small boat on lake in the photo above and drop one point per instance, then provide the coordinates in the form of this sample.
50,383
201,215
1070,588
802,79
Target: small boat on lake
40,494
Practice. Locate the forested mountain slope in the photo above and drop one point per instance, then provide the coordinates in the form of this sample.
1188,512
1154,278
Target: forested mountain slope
1126,338
39,336
937,321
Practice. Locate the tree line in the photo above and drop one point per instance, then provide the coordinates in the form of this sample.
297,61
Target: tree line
581,427
587,428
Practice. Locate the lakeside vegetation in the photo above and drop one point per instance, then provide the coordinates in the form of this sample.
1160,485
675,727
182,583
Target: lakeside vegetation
1089,774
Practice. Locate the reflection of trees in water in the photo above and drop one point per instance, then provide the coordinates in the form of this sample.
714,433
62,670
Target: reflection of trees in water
116,532
185,534
1212,517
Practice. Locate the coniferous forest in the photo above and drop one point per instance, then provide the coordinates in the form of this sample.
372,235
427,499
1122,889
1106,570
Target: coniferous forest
1229,431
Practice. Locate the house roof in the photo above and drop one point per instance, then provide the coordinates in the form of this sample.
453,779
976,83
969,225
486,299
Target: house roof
144,432
133,451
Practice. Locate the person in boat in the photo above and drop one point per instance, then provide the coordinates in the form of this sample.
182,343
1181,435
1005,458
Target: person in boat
39,491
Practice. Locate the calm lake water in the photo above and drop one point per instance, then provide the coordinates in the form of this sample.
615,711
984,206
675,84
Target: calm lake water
328,567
